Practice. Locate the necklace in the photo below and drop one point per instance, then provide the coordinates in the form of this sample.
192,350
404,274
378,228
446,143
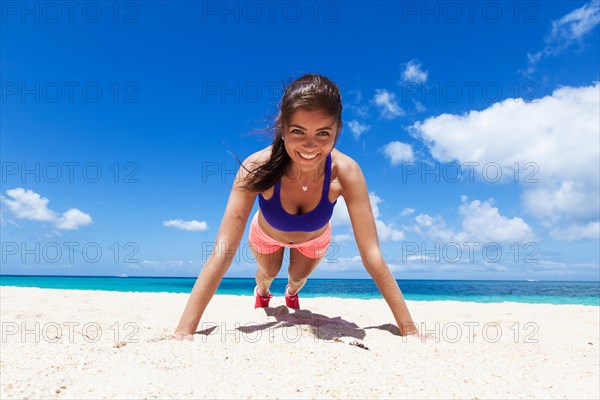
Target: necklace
305,188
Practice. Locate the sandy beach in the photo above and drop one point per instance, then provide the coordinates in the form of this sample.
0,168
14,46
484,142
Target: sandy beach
99,344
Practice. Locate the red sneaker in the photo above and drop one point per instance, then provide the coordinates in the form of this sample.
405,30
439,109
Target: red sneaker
291,301
261,301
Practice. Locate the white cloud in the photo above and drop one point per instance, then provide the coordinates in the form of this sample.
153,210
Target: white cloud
549,202
386,102
385,232
358,109
573,26
433,227
414,73
425,265
481,223
340,216
398,152
419,107
554,141
166,266
344,237
567,31
73,219
357,128
192,225
350,260
26,204
388,232
407,211
342,264
574,232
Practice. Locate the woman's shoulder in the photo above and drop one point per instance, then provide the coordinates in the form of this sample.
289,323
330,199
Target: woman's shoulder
344,165
341,159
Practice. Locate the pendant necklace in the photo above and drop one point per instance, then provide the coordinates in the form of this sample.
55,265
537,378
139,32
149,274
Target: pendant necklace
305,188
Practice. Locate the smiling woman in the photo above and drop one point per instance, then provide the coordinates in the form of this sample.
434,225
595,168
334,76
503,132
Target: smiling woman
297,180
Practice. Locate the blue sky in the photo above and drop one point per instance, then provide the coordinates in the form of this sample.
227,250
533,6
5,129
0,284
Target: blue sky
476,127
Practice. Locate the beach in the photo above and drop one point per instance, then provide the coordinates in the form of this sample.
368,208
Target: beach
103,344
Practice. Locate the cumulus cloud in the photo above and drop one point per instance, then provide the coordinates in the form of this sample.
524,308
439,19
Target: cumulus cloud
567,32
553,141
413,72
434,228
26,204
387,104
192,225
481,222
340,216
407,211
343,237
385,232
357,128
549,202
398,152
419,107
574,232
73,219
388,232
358,109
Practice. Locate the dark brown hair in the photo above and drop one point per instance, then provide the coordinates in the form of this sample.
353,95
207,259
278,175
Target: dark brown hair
309,92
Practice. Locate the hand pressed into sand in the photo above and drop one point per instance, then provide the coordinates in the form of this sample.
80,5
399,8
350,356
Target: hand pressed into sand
422,336
181,336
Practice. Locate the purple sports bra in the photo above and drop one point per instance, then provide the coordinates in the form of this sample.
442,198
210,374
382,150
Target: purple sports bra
314,220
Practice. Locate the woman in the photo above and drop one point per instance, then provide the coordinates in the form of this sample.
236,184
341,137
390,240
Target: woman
297,179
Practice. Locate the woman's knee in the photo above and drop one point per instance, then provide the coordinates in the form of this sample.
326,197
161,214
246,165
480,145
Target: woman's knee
269,273
269,264
297,281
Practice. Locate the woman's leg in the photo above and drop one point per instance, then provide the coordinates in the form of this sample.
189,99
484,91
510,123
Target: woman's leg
305,258
299,270
268,268
268,255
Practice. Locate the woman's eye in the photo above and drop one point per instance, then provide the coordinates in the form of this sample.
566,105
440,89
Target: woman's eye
301,132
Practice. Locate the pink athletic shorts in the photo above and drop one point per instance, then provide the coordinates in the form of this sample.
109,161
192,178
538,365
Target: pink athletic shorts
265,244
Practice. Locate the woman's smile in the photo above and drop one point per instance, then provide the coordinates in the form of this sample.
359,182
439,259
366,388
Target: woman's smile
307,156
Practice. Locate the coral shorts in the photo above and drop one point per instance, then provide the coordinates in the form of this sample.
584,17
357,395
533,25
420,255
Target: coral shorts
265,244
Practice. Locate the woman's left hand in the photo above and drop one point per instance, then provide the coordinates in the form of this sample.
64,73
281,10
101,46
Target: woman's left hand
422,336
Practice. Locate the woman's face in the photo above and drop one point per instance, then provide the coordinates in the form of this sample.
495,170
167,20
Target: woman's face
309,137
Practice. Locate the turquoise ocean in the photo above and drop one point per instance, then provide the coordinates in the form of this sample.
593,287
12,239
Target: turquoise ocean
488,291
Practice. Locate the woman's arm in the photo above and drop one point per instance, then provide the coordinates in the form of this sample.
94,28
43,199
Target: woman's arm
356,195
230,234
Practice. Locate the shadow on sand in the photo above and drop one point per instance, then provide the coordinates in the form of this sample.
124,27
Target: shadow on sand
321,326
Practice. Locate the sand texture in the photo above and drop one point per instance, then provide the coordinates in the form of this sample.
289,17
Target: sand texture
99,344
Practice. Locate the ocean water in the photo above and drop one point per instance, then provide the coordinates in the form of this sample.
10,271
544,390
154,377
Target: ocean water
541,292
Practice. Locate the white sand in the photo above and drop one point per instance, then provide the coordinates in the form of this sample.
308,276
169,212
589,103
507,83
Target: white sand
514,350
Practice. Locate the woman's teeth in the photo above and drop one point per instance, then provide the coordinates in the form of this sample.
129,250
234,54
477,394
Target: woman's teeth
306,156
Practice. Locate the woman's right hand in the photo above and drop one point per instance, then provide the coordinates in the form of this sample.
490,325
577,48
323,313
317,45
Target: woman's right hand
181,336
424,337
